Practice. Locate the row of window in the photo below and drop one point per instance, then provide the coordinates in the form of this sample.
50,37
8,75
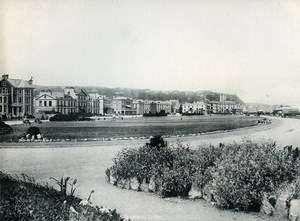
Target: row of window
3,109
46,104
67,103
16,100
66,110
4,90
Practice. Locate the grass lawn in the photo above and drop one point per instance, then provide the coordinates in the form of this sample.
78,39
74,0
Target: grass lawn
135,127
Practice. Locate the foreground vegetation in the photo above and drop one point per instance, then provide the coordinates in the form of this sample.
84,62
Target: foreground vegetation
234,176
23,199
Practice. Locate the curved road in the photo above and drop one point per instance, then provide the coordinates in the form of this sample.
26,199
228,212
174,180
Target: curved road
88,162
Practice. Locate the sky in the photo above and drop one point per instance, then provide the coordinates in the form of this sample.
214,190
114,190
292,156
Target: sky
249,48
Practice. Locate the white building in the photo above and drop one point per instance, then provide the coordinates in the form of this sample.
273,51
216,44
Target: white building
198,107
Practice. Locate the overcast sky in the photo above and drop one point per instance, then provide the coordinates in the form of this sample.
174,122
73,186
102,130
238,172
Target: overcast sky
250,48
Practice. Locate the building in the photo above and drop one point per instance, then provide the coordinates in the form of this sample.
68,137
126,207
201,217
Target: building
107,105
139,106
284,111
153,107
163,107
175,106
16,97
66,104
95,104
198,107
82,99
123,106
48,102
147,109
45,102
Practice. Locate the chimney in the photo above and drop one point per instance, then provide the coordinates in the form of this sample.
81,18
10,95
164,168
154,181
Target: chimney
30,81
5,76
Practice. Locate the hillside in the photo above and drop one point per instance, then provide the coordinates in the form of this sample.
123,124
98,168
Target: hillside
147,94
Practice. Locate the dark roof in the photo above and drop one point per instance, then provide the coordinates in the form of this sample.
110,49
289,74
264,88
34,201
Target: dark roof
19,83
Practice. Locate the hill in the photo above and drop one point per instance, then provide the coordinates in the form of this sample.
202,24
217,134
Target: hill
147,94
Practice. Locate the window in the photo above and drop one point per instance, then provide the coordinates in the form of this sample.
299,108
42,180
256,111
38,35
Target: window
0,108
4,99
50,103
45,103
20,99
40,103
0,99
4,90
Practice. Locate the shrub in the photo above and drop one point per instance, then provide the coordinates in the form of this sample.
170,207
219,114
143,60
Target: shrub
33,131
63,117
176,177
235,175
205,159
245,171
4,128
170,166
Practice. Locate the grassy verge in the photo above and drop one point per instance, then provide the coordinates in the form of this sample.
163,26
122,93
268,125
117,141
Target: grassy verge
26,200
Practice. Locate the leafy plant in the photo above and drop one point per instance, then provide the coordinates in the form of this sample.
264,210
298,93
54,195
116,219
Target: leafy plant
248,169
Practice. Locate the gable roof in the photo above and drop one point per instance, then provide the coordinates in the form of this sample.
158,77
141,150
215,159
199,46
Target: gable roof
18,83
43,95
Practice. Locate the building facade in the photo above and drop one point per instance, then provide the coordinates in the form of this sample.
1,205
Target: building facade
16,97
95,104
45,102
198,107
82,99
139,106
123,106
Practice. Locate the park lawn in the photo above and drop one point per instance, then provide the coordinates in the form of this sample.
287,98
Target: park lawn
135,127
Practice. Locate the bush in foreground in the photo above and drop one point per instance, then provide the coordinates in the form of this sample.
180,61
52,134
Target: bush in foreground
247,170
167,166
236,176
26,200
